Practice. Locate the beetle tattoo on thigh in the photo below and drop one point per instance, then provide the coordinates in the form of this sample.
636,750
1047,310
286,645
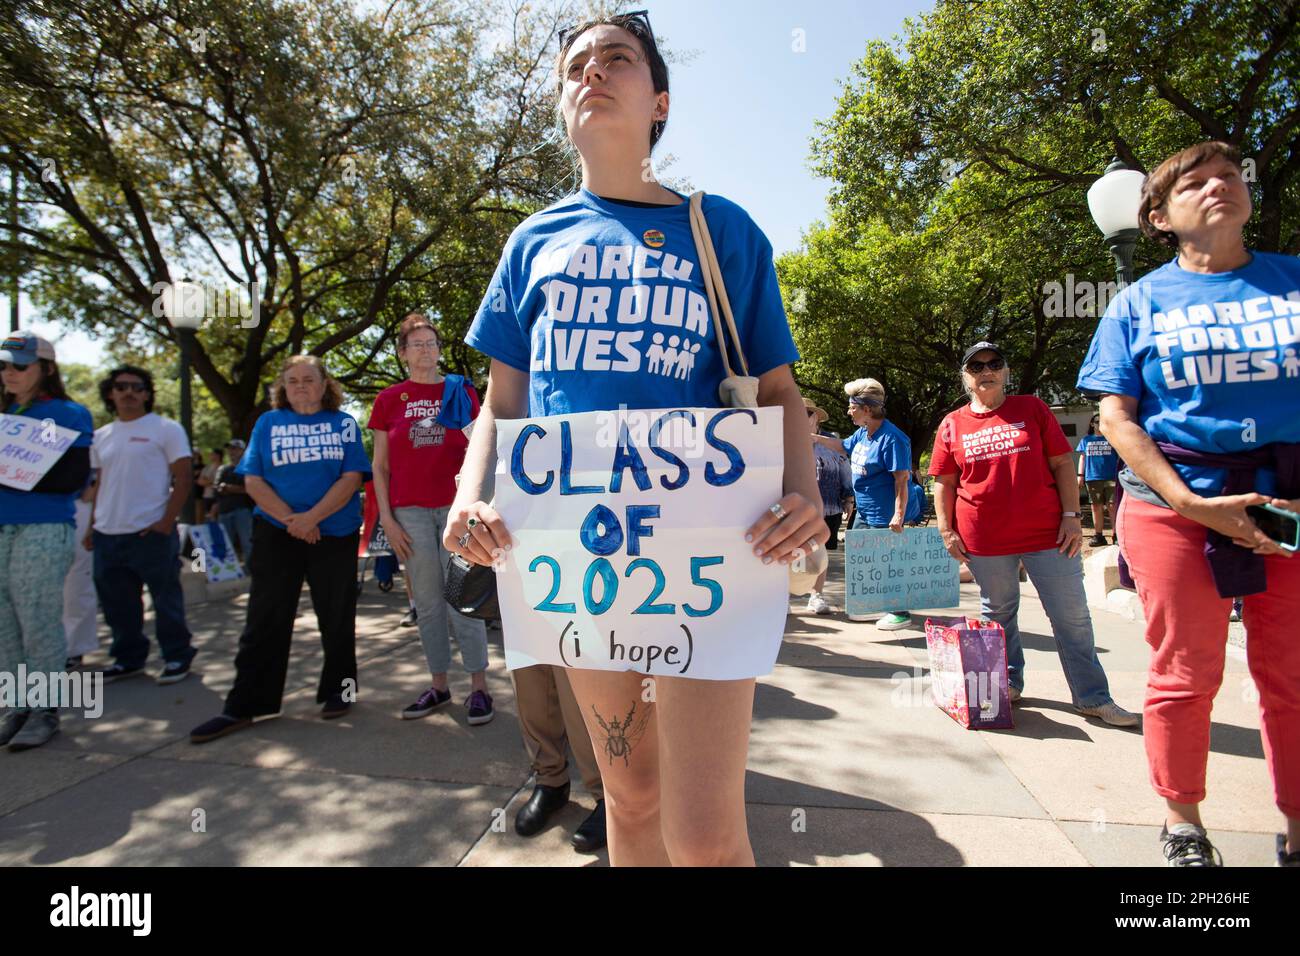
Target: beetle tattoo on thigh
621,736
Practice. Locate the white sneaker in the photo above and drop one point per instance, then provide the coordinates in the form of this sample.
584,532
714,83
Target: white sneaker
893,622
1113,714
817,604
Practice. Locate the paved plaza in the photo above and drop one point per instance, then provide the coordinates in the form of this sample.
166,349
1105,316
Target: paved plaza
850,764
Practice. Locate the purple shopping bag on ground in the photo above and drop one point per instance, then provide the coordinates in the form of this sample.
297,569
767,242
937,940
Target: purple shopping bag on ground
968,671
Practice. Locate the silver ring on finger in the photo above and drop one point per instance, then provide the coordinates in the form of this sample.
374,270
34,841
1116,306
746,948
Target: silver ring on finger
779,511
463,540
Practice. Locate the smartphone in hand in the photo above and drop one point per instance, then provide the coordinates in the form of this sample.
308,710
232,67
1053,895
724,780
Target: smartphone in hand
1277,523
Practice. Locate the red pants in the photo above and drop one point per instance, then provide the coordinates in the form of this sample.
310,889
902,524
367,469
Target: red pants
1187,628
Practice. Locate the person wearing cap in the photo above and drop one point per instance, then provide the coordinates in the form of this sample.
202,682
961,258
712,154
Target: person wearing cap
880,458
835,483
145,477
234,507
37,533
1006,495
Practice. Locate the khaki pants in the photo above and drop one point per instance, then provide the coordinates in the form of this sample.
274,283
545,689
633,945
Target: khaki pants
549,716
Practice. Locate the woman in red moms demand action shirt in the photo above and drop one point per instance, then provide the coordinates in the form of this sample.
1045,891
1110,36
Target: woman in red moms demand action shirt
1005,494
417,458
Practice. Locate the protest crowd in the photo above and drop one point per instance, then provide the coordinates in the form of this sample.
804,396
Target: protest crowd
1164,467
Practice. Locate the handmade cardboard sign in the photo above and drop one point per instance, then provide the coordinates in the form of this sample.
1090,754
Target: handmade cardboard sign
884,571
629,550
29,447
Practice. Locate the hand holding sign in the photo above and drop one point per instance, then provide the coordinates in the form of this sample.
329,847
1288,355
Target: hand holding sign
477,532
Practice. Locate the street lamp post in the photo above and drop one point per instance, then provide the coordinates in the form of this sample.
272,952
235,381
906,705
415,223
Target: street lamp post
1114,200
185,320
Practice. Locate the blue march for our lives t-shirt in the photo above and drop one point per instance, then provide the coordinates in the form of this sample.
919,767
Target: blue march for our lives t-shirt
40,507
1100,461
603,304
1213,360
302,456
874,459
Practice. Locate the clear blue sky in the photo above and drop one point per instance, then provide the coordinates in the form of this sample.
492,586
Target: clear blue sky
743,108
743,111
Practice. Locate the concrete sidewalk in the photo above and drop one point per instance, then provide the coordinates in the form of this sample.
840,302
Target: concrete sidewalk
850,764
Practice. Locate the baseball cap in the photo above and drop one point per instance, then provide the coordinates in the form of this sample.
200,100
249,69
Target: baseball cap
981,347
237,443
24,348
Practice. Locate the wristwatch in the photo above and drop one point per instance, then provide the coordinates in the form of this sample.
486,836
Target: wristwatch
1071,514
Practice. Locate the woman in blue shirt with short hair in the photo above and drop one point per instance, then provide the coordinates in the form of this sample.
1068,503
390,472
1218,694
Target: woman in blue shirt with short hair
304,468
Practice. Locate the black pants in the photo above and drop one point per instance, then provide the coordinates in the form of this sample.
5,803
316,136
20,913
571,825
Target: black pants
278,564
833,522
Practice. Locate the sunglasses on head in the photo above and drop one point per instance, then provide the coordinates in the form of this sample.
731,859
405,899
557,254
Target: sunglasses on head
16,366
993,365
641,16
862,401
130,387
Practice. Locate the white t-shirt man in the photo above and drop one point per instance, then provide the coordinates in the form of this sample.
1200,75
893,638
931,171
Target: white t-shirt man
134,460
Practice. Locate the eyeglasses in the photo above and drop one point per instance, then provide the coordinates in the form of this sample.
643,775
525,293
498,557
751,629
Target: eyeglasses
641,16
130,387
16,366
421,346
993,365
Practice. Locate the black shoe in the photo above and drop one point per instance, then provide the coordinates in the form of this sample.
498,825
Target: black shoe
218,727
173,672
72,663
1283,857
544,802
118,672
410,620
426,703
335,707
590,836
1098,541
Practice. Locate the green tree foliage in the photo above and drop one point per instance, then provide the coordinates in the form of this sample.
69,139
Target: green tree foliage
961,155
358,162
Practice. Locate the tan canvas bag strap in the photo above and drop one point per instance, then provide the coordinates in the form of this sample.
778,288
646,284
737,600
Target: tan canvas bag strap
715,287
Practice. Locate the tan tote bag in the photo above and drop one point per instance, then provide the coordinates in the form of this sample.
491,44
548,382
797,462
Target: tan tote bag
739,391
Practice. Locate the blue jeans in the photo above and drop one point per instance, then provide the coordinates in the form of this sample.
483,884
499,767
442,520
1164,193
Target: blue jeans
1059,581
239,525
437,621
124,565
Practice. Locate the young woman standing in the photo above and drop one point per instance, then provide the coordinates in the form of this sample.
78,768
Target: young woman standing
679,798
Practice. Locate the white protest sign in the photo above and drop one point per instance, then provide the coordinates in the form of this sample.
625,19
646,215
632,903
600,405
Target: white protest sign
629,550
29,447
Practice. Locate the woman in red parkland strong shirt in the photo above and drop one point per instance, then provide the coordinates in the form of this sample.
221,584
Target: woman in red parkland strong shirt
419,448
1005,494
